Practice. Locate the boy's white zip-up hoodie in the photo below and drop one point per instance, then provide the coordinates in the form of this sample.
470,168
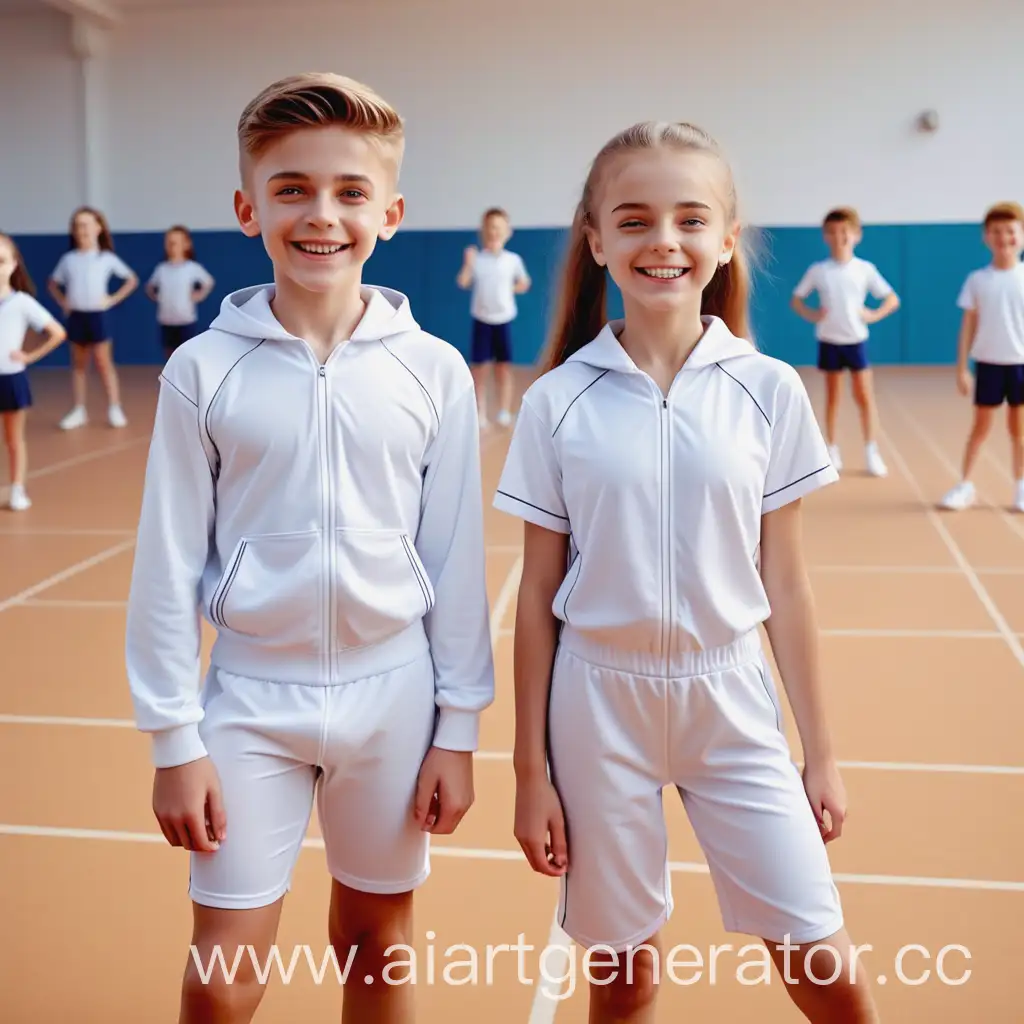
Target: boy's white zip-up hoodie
327,520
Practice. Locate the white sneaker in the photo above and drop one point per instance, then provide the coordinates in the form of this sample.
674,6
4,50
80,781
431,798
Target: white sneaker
1018,498
873,460
504,418
960,497
116,416
835,457
19,501
78,417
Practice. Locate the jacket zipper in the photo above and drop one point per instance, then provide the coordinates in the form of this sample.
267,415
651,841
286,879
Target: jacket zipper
666,559
327,516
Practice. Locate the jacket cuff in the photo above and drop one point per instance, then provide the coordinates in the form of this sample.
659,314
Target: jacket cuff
457,729
177,746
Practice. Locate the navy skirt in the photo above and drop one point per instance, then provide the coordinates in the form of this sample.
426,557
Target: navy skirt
15,393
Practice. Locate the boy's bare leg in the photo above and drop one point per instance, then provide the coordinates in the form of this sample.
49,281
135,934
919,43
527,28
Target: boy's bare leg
216,1000
372,923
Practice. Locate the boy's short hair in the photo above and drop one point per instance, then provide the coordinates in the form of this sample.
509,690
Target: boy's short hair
494,211
316,100
1002,212
843,215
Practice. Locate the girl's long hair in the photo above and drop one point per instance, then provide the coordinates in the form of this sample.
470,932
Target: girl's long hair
581,310
21,280
105,241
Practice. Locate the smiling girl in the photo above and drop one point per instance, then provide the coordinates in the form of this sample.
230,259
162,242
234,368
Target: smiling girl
659,467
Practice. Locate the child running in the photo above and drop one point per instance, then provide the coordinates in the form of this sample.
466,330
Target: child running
843,282
992,334
79,284
314,489
659,465
19,313
177,285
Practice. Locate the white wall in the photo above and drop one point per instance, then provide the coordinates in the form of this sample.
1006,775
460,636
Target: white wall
507,103
40,93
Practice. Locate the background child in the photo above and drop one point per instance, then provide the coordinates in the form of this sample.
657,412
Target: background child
79,284
843,282
496,276
177,286
992,333
659,466
19,313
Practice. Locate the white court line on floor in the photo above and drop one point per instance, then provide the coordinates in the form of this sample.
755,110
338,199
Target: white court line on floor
954,549
505,756
477,853
70,603
885,634
45,531
64,574
77,460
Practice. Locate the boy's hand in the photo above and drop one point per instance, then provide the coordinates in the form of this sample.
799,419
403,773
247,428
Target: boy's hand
963,380
469,256
444,792
188,805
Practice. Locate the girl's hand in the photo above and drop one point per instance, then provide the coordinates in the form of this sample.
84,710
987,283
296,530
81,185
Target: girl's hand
963,381
21,356
827,796
444,791
540,826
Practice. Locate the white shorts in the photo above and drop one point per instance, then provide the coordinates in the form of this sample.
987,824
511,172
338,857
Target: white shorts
620,731
358,747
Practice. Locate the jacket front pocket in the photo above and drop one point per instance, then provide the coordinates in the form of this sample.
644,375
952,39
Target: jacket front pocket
271,590
380,583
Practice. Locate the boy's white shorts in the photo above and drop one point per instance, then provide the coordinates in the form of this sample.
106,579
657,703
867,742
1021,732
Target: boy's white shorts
621,729
356,747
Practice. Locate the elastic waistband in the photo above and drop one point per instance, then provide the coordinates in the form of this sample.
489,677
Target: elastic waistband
681,664
243,656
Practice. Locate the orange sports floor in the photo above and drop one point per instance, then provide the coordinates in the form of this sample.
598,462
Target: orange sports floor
923,621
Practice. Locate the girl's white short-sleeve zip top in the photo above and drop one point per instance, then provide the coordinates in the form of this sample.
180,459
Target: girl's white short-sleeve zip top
662,496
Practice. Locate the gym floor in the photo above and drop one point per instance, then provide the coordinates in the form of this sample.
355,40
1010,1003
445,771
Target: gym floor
923,621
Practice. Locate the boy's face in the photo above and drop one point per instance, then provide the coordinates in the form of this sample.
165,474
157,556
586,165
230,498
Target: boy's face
320,198
1005,238
841,237
496,231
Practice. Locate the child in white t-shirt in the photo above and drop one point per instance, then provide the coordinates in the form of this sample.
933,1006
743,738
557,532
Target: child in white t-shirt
496,276
843,283
19,313
992,334
79,285
177,286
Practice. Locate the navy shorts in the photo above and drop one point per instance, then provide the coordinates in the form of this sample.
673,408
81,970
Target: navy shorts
174,335
15,393
87,327
995,383
491,342
833,357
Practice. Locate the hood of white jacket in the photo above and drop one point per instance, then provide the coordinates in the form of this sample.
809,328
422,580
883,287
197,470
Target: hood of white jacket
717,343
247,313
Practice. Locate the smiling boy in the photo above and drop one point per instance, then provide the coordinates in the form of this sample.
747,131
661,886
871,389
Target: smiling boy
313,489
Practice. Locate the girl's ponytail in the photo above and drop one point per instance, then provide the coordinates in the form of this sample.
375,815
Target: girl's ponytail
727,295
582,298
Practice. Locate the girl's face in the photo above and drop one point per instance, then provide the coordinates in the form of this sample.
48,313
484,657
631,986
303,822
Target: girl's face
660,226
8,263
86,229
176,245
